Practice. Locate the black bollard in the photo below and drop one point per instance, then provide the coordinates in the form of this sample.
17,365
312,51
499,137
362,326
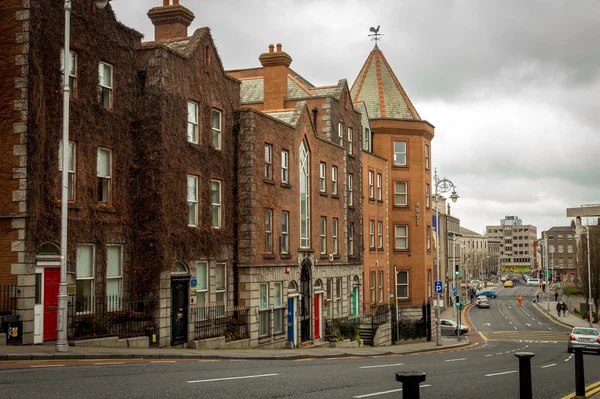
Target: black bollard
525,381
579,375
410,383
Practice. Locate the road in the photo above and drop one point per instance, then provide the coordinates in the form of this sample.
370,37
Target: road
489,370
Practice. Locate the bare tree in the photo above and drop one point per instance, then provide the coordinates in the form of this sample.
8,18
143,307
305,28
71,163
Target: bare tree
594,263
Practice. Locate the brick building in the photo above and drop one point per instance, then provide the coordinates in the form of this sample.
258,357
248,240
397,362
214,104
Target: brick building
561,253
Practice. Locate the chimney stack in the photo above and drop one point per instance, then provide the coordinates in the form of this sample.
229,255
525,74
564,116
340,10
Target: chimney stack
276,68
170,21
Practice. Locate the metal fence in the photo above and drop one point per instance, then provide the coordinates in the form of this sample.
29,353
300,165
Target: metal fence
8,300
406,326
109,316
216,320
348,327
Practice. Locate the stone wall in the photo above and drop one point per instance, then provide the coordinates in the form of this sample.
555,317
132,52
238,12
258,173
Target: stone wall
383,335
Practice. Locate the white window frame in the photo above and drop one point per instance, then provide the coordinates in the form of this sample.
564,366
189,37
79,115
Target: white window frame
71,170
264,326
202,292
285,160
323,229
398,153
334,234
304,184
427,196
350,239
338,296
216,206
322,177
278,309
340,130
192,122
379,234
371,185
426,156
192,201
119,278
398,284
72,71
380,285
350,189
569,248
371,234
217,131
221,292
108,177
334,180
268,161
268,230
429,238
104,89
366,138
285,232
372,284
350,140
398,195
401,237
88,307
379,187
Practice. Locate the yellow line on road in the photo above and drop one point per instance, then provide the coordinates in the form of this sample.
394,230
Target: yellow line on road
589,391
551,319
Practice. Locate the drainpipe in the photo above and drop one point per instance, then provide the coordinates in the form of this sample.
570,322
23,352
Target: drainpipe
236,229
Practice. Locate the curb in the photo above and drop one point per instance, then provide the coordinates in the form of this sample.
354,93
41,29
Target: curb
551,316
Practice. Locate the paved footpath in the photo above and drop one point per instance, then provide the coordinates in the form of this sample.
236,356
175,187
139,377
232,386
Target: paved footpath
569,320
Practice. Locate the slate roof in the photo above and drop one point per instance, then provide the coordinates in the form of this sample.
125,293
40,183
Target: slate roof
468,232
378,86
252,90
284,116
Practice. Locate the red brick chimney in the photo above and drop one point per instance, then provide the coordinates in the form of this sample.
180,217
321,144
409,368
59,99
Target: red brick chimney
276,68
170,21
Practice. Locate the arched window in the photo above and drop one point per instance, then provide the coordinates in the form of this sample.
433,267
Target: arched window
292,286
304,195
318,285
179,268
49,249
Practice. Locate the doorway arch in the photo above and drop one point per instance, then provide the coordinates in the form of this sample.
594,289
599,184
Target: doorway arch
305,300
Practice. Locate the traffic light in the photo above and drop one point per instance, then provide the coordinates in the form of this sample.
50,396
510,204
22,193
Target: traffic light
456,270
457,301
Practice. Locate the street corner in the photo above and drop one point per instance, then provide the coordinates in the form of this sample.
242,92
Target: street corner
475,336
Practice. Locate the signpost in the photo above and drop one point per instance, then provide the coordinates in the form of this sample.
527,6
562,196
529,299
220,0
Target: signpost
453,291
439,289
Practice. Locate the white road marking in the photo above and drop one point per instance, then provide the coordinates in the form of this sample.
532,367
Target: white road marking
539,323
528,325
384,392
47,365
488,355
507,352
107,364
163,361
532,319
510,322
549,365
515,327
502,373
456,360
499,353
549,328
381,365
233,378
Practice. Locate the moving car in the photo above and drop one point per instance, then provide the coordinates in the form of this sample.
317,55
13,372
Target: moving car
508,283
489,294
450,326
482,302
533,281
585,337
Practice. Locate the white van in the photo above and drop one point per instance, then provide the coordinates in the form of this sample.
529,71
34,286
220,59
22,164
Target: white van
533,281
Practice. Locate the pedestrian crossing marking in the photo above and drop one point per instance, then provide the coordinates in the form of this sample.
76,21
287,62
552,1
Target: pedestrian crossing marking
529,336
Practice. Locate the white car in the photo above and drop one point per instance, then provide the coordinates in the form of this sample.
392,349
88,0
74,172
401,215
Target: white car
533,281
450,326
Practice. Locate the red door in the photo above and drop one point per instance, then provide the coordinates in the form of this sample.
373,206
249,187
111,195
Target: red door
317,317
51,284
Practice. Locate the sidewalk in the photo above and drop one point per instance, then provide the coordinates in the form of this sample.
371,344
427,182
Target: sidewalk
47,352
570,319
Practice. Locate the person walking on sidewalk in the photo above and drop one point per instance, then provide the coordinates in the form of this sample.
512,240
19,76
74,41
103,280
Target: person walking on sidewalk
537,297
558,308
556,296
564,308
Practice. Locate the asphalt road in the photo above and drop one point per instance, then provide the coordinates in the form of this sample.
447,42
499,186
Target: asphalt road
489,371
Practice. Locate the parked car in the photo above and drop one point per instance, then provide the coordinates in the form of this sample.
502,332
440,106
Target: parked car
588,338
533,281
450,326
482,302
508,283
503,279
489,294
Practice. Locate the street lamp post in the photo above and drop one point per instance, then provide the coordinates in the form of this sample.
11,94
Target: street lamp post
441,186
62,344
587,231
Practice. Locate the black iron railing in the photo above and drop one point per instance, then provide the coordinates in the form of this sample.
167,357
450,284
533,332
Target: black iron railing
97,317
215,320
8,300
406,326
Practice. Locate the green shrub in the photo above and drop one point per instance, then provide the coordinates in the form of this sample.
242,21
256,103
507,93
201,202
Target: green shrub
569,290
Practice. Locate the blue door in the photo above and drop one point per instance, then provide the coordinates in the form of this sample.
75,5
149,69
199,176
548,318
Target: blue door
290,320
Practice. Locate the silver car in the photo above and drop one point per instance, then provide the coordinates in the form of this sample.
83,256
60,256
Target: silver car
449,326
482,302
584,337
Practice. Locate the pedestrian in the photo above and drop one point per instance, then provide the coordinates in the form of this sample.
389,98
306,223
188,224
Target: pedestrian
544,286
520,300
564,308
556,296
558,308
537,297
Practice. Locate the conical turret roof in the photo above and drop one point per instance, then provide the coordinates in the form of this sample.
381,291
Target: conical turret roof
379,88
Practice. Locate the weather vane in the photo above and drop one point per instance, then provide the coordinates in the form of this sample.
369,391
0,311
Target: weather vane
375,35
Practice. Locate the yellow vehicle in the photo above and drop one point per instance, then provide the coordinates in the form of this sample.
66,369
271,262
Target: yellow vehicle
508,283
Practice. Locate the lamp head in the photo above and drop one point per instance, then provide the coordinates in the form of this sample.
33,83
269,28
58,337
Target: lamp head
454,196
100,4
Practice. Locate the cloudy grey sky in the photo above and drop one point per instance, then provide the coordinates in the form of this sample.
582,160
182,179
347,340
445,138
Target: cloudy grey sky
511,86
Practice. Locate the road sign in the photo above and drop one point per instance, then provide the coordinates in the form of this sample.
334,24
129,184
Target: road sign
438,287
453,291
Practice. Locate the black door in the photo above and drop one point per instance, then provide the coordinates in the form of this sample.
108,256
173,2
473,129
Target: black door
179,310
305,308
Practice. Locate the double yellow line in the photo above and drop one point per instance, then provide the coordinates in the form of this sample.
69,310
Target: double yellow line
589,391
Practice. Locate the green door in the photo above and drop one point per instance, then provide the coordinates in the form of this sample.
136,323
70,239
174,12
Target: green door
354,301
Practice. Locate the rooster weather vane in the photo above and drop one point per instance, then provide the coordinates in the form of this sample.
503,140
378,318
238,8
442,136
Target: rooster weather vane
375,35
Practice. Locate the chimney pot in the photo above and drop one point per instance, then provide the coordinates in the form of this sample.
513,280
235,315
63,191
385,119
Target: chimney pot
271,48
278,47
170,21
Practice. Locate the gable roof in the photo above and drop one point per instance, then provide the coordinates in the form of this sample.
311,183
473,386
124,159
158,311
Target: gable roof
378,86
465,231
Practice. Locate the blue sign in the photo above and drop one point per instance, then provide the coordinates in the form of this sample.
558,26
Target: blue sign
453,291
194,282
438,287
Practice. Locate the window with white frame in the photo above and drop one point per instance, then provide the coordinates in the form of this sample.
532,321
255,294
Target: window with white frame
372,286
350,140
70,169
570,248
263,311
400,194
192,198
285,159
371,185
304,195
380,234
561,262
114,276
322,178
402,291
335,235
351,239
217,122
220,288
427,196
192,122
334,180
427,156
285,226
72,71
268,161
429,238
379,187
268,231
323,235
380,285
105,85
401,236
400,153
372,234
216,204
104,173
338,296
84,291
561,249
340,130
278,308
350,190
367,140
570,261
202,289
429,291
329,295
